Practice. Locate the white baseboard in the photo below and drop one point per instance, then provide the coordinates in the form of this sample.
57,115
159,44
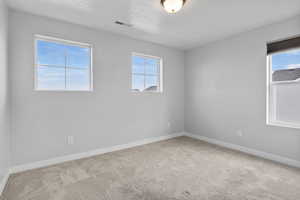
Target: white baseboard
4,180
265,155
45,163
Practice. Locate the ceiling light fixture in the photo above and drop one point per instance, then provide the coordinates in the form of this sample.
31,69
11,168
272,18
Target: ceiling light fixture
172,6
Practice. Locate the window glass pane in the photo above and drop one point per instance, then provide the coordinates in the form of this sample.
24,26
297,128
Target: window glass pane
286,99
78,57
78,79
50,78
138,83
152,66
50,53
138,64
286,66
151,83
145,73
62,66
286,60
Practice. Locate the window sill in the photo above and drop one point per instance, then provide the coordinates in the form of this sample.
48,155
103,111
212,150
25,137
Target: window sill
284,124
36,90
147,92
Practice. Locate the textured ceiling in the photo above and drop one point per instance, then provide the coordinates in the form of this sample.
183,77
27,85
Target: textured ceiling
200,21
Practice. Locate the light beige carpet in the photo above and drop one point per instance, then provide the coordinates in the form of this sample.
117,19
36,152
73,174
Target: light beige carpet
176,169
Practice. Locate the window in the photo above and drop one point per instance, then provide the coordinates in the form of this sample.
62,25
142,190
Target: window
62,65
284,84
146,73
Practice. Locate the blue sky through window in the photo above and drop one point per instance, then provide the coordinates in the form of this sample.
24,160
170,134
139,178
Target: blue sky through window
62,66
286,60
145,73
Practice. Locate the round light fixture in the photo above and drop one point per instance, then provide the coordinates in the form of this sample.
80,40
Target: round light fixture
172,6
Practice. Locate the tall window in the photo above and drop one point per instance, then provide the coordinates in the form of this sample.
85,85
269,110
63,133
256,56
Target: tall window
62,65
284,83
146,73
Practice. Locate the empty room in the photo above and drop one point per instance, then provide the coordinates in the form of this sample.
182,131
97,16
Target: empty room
149,100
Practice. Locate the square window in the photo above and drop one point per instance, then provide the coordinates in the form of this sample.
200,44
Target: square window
62,65
146,73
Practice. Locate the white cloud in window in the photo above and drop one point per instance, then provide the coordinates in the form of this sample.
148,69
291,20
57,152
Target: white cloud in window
293,66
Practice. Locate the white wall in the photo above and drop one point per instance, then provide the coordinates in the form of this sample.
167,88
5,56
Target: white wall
110,115
225,91
4,96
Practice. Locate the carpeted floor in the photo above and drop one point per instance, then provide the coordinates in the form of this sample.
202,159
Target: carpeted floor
176,169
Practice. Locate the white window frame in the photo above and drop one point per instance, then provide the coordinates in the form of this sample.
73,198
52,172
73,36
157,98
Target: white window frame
38,37
160,78
268,98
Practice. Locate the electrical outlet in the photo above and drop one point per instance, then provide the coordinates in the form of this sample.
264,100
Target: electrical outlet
239,133
70,140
